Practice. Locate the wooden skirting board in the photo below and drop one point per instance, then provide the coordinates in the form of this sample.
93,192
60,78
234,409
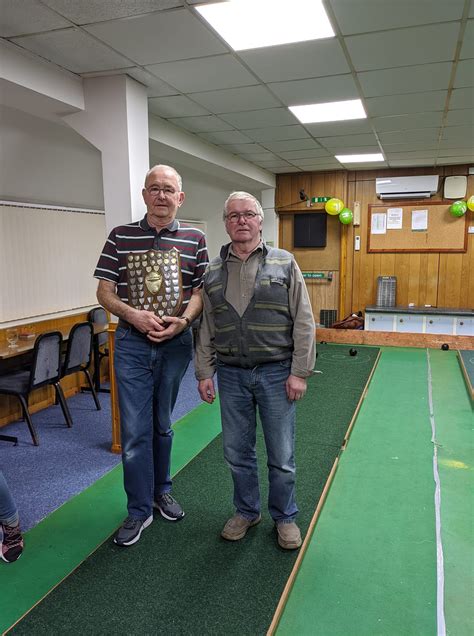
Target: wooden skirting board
391,339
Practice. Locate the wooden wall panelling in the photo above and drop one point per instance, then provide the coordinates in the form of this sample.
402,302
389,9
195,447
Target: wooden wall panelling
423,278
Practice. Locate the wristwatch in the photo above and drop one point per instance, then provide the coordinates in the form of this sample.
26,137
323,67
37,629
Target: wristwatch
188,322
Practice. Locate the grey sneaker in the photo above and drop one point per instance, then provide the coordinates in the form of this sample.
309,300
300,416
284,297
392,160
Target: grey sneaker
168,506
130,531
289,536
237,526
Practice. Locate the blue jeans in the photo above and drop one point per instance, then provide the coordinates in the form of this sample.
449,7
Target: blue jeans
241,392
148,377
8,510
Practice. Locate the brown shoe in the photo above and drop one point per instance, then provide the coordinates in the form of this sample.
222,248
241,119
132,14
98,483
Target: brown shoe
237,526
289,536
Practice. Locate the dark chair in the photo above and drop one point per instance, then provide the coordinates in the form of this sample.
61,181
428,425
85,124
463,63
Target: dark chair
45,369
79,355
98,316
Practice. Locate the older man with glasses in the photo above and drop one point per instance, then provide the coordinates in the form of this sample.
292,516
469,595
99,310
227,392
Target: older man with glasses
257,332
151,274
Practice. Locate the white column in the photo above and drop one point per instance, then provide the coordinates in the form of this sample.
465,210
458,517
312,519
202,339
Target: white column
270,222
115,120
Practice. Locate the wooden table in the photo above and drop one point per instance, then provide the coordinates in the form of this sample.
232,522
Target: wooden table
25,346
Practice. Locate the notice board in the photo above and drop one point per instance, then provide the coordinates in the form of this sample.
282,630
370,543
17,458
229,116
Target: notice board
416,227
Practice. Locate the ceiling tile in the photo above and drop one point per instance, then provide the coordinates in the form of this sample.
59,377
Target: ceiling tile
225,137
462,98
243,148
375,15
464,74
417,45
415,154
175,106
260,118
265,155
452,152
208,73
329,165
233,100
461,158
354,150
315,90
304,154
408,122
349,140
291,144
272,164
98,10
285,170
27,16
206,123
407,146
296,61
407,79
335,128
318,161
409,136
462,134
159,37
405,104
467,49
277,133
460,117
73,50
402,163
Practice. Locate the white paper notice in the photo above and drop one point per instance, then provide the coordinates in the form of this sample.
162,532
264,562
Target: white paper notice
379,223
419,220
394,218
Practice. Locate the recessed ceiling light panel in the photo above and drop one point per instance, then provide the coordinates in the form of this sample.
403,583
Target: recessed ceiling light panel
329,111
253,24
360,158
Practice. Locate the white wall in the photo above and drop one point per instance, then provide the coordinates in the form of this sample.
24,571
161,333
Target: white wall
44,162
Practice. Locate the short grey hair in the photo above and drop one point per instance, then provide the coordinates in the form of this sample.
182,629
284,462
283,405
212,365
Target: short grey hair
242,195
162,166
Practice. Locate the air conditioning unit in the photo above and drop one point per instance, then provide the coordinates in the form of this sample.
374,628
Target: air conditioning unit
407,187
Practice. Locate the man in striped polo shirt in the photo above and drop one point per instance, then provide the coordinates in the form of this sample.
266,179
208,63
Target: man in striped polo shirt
152,353
257,332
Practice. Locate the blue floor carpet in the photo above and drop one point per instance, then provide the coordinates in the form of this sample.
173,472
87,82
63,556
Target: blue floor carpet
68,460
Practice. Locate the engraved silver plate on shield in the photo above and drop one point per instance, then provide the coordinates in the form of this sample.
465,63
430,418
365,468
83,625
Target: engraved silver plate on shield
154,281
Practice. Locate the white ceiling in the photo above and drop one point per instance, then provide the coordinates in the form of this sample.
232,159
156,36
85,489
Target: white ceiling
410,61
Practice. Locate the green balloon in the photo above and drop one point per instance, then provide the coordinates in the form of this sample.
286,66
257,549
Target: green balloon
346,216
458,208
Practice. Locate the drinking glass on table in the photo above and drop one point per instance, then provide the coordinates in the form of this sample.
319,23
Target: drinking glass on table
12,337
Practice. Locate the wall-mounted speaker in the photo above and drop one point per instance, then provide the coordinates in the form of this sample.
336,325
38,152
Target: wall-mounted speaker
455,187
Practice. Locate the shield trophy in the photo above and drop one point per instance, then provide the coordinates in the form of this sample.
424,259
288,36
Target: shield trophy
154,281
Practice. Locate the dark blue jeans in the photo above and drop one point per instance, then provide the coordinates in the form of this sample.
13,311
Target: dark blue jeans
241,392
148,377
8,511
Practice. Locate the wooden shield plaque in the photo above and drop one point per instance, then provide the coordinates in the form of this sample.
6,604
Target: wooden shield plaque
154,281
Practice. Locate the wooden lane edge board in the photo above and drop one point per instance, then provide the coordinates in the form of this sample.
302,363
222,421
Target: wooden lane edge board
391,339
463,361
309,534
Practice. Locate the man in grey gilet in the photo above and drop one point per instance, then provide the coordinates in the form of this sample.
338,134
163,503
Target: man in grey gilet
257,332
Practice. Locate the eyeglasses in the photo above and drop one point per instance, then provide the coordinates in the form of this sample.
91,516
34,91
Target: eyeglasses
234,217
155,191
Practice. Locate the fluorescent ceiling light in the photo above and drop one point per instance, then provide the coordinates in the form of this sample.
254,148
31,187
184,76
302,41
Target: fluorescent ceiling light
330,111
252,24
360,158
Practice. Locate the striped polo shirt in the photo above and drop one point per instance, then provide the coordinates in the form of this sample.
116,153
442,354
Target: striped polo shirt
139,237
